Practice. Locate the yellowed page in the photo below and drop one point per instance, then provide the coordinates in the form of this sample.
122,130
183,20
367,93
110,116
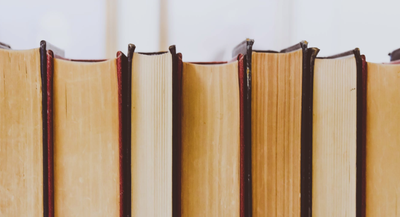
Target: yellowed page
86,157
210,141
383,141
151,135
334,137
21,144
276,133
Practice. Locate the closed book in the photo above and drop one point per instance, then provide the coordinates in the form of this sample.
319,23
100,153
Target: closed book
338,134
278,85
24,131
382,136
210,150
88,170
153,132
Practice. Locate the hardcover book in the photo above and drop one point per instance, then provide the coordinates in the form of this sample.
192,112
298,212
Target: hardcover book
24,130
382,134
338,135
278,115
88,148
153,141
212,141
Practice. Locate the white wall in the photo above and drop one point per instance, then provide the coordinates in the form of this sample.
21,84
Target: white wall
76,26
208,30
341,25
138,23
204,30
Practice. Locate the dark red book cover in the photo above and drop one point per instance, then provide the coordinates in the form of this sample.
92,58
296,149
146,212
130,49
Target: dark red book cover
47,53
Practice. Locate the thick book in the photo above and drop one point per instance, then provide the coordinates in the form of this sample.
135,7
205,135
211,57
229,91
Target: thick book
211,143
87,144
382,147
153,140
338,134
24,131
278,115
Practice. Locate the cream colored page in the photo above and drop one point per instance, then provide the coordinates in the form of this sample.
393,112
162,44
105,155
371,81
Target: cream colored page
334,137
86,156
383,139
210,141
21,144
151,135
276,133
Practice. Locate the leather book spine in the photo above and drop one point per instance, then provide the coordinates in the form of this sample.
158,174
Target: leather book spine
309,55
50,162
363,123
46,70
176,129
126,84
361,132
177,137
124,135
242,100
245,48
46,173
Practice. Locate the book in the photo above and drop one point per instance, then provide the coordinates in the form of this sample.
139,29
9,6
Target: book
152,137
269,133
24,137
88,164
382,136
279,84
337,135
211,146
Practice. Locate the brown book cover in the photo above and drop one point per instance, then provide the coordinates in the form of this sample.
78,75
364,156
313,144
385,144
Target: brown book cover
176,126
361,151
177,130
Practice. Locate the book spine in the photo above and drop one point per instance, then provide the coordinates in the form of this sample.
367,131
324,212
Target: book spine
124,110
47,53
364,133
242,99
50,162
245,48
43,72
309,55
176,129
177,137
361,132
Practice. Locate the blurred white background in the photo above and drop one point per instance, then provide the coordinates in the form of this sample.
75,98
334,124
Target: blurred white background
203,30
